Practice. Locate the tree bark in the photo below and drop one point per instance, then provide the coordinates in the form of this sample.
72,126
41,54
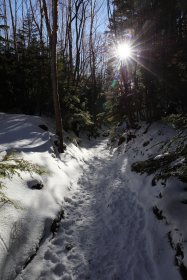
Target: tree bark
92,56
53,47
13,26
6,25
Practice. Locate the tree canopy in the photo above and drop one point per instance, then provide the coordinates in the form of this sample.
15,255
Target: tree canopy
153,82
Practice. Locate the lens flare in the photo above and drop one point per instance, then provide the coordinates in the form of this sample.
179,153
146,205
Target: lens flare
124,51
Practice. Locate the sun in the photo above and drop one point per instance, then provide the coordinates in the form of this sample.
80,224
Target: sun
124,51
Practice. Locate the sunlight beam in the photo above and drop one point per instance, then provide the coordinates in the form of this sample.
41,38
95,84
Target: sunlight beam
124,51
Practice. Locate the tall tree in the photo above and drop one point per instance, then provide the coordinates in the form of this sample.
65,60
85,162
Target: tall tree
52,33
14,22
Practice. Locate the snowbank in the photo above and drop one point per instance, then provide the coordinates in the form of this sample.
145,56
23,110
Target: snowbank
118,224
30,200
162,195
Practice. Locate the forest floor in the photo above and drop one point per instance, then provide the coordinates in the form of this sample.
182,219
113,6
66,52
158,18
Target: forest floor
107,227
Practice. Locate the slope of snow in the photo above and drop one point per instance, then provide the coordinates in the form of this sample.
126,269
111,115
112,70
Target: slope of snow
166,196
105,233
24,225
109,231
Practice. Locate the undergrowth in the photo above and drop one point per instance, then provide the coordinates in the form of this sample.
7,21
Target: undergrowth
166,165
179,121
11,164
173,158
4,199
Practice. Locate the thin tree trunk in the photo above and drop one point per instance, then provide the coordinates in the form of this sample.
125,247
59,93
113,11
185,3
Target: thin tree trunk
59,128
70,40
13,26
92,56
53,47
6,24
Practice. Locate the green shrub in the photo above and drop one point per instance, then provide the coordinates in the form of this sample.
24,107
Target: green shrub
11,165
179,121
153,164
163,166
4,199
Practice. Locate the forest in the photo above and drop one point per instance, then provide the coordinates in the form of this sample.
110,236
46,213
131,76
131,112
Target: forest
60,57
93,143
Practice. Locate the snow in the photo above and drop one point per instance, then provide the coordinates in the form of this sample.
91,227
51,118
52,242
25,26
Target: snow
109,230
22,228
161,156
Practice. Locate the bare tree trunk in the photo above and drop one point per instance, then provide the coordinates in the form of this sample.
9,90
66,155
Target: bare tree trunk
13,25
38,25
92,55
53,47
54,80
80,26
62,30
69,32
6,25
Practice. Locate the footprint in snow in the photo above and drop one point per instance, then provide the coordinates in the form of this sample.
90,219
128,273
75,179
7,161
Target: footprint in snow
58,269
68,200
49,256
66,277
58,241
80,201
69,232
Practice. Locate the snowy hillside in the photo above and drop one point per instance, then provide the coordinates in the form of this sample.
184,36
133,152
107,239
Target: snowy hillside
94,212
31,193
158,153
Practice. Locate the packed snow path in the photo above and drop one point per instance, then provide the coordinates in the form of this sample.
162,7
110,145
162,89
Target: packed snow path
107,242
103,235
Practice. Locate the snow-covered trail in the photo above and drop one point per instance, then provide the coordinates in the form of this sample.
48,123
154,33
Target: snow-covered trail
104,225
104,234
